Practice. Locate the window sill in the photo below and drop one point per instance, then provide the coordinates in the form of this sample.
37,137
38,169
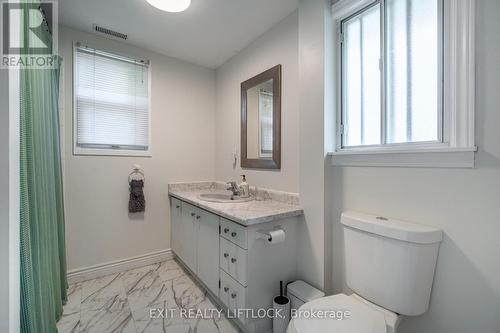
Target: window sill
111,152
422,158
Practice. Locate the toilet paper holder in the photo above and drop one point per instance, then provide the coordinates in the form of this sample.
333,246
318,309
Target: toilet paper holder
266,235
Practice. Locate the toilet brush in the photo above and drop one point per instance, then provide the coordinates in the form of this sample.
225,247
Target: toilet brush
281,305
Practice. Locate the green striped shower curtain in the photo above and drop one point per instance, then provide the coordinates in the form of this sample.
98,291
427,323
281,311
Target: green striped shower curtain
43,258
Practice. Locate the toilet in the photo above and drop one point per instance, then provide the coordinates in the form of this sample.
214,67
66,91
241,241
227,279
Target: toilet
389,266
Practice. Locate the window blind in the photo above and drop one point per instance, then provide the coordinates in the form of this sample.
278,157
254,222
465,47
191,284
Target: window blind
111,101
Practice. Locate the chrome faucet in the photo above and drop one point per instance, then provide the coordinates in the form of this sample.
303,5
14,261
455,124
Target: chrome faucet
233,187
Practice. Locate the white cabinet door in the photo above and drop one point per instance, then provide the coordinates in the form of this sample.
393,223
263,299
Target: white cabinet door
208,249
175,226
188,235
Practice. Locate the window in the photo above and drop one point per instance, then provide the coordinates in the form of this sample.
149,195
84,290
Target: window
409,73
266,123
111,104
404,78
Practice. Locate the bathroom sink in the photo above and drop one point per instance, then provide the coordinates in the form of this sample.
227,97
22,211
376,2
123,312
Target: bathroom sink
222,197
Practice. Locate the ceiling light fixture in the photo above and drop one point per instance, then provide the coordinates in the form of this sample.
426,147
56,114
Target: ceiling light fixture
173,6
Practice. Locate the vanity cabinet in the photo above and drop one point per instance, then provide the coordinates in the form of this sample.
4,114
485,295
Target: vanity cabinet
240,268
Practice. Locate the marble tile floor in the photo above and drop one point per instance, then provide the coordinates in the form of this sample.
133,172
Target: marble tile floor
122,302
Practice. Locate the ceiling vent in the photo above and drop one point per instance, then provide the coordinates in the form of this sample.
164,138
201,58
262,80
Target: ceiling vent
109,32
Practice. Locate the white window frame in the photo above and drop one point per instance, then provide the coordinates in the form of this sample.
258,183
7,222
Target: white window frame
458,147
109,151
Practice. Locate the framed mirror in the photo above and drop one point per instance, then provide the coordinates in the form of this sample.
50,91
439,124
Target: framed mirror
261,120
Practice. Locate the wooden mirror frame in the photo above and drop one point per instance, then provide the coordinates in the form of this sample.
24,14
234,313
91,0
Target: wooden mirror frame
257,163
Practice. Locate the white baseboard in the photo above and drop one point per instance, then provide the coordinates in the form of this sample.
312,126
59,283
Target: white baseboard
116,266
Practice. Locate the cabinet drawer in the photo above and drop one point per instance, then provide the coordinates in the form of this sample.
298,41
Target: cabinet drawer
232,294
233,260
234,232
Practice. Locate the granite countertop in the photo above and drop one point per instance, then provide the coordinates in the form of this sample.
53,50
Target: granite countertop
268,205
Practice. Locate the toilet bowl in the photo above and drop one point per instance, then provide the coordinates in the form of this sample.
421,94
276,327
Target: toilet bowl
343,314
389,265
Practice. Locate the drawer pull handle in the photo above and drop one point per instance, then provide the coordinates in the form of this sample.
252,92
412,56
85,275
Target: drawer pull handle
226,230
233,260
226,255
198,217
226,289
177,206
233,234
233,295
193,214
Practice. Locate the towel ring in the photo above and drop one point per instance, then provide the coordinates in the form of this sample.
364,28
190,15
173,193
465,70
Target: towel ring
137,171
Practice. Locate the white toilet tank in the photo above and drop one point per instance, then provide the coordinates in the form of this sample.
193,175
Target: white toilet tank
389,262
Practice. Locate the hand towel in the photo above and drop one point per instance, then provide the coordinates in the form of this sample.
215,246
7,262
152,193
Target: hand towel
137,202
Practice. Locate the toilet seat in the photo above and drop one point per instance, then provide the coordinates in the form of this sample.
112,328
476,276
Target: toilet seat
363,318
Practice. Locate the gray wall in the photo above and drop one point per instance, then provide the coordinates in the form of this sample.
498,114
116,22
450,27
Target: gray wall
279,45
183,149
302,112
464,203
4,200
315,36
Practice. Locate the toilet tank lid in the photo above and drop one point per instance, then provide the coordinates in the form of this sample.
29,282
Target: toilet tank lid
304,291
391,228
